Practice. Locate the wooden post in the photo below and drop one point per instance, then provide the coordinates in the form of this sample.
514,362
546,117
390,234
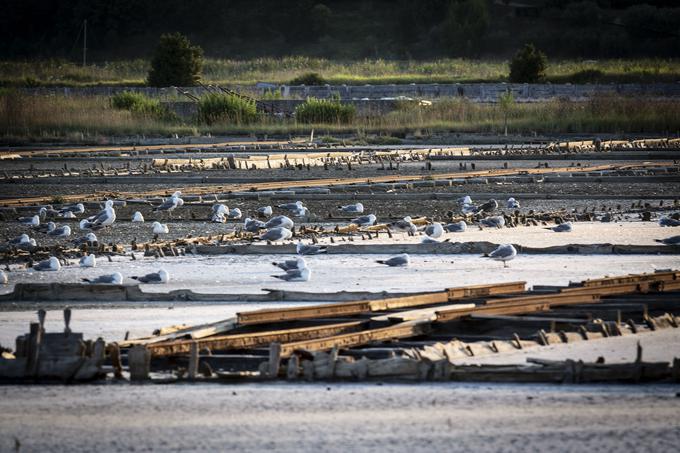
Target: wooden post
34,341
293,367
193,360
114,353
139,363
274,359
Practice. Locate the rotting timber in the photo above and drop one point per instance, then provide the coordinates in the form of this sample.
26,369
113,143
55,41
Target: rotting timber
420,336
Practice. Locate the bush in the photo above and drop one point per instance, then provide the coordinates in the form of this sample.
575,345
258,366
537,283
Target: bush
141,105
587,76
310,79
316,111
528,65
229,108
175,62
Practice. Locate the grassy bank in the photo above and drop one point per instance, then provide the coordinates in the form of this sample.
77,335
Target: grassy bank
26,118
283,70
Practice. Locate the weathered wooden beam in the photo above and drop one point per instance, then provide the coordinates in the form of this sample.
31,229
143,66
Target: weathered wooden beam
253,340
402,330
633,278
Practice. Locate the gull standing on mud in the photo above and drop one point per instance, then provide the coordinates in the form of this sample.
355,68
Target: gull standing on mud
235,214
113,279
398,260
88,260
161,276
456,227
50,264
280,221
219,213
561,228
489,206
277,234
356,208
23,239
365,220
302,249
265,211
103,218
291,206
504,253
404,226
296,275
60,232
291,265
160,228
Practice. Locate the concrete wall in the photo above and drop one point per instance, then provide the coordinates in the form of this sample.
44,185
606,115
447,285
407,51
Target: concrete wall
479,92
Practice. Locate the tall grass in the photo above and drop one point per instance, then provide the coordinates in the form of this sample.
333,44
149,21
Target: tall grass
226,108
378,71
89,119
141,105
315,111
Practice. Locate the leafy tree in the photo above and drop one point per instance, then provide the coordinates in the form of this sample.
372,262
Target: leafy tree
528,65
176,62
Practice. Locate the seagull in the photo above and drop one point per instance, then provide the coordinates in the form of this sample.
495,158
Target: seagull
292,265
673,240
365,220
161,276
160,228
235,214
27,245
60,232
280,221
265,211
429,240
457,227
3,278
69,215
469,209
47,227
291,206
465,200
302,249
168,205
112,279
404,226
88,261
78,208
30,221
253,225
398,260
295,275
277,234
489,206
435,230
51,264
23,239
103,218
357,208
219,213
668,222
493,222
137,217
47,211
504,252
512,203
302,212
89,239
561,228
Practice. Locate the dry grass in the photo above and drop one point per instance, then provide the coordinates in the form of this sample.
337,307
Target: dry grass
84,118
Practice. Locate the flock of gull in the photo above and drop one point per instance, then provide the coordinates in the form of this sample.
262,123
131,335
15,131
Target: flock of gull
269,228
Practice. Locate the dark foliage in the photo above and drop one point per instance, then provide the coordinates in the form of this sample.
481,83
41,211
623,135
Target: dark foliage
528,65
175,62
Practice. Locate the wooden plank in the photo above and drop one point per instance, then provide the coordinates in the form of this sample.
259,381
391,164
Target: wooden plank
423,314
359,307
253,340
401,330
658,276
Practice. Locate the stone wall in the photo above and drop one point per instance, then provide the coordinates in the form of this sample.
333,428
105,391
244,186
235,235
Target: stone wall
478,92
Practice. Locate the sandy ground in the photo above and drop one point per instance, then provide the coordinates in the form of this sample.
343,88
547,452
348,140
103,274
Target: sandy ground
658,346
330,273
349,417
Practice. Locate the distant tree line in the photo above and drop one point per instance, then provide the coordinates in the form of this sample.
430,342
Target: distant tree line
342,29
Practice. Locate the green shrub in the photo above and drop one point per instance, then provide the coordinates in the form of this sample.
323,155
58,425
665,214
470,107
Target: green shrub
528,65
316,111
310,78
141,105
175,62
226,108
